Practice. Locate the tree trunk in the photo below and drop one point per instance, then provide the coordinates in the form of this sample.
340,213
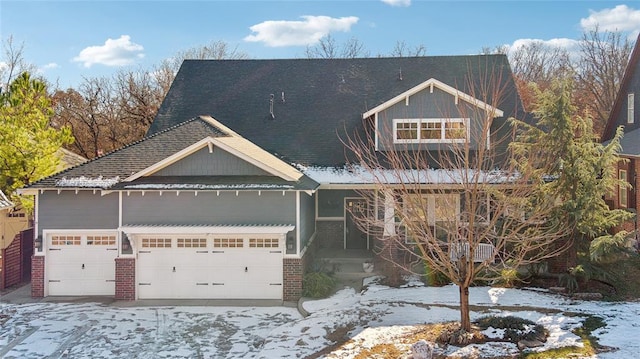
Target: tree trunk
465,321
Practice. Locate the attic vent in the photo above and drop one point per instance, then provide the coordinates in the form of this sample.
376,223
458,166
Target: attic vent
282,96
273,117
400,74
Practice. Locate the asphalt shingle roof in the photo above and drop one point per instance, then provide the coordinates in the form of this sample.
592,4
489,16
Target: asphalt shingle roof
139,155
315,102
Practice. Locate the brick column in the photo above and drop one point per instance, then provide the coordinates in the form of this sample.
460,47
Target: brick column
37,276
125,279
292,275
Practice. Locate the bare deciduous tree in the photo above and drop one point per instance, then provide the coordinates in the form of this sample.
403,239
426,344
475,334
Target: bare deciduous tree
603,60
538,63
463,208
402,49
328,48
13,63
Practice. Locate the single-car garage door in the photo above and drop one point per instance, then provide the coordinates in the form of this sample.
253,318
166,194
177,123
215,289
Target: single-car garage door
210,267
81,264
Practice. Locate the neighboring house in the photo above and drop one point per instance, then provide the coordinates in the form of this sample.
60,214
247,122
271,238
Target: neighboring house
242,174
16,239
626,113
13,220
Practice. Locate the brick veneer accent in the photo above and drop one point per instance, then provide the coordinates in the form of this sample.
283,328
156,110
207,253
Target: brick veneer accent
37,276
125,279
292,275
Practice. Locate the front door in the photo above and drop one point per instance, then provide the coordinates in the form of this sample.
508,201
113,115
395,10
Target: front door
355,237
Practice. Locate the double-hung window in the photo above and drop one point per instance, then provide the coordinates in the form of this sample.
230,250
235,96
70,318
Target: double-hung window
622,190
630,106
431,130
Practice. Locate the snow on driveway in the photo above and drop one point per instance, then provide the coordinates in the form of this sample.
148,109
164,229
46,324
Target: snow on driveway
91,330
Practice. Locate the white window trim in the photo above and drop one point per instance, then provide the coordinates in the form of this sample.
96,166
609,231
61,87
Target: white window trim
420,121
630,107
622,174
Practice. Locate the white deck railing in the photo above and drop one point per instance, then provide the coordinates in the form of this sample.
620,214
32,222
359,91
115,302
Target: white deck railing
483,252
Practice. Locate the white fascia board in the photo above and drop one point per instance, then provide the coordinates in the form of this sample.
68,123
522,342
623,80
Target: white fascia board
240,229
440,85
171,159
31,191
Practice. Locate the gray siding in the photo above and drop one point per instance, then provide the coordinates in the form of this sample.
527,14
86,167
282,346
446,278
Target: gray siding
218,163
424,104
331,202
84,210
307,218
270,207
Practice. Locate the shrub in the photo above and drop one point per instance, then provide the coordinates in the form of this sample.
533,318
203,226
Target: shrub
434,278
317,285
516,329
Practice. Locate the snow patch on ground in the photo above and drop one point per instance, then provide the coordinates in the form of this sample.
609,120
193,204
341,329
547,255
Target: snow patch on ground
379,314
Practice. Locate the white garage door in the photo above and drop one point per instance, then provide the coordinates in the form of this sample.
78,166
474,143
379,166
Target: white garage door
81,264
220,267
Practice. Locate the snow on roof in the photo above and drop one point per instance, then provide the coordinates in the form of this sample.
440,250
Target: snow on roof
196,186
357,174
87,182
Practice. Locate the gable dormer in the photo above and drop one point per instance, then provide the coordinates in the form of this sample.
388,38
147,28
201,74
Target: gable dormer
428,116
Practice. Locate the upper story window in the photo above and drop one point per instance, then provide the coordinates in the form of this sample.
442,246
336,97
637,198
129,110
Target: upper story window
430,130
630,105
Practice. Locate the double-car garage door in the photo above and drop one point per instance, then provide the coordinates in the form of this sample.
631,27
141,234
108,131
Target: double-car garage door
208,267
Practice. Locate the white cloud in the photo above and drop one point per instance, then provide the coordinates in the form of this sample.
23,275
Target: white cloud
562,43
404,3
118,52
49,66
620,18
298,33
571,46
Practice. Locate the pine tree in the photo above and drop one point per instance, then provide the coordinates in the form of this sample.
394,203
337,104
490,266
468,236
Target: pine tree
28,144
576,169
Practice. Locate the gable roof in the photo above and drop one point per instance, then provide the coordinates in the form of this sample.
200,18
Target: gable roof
117,165
431,83
127,168
302,109
234,144
618,116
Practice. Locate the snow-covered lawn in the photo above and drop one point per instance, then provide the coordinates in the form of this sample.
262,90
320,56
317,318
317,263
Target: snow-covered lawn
379,314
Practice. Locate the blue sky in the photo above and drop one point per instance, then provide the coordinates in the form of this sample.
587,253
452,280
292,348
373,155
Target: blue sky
69,40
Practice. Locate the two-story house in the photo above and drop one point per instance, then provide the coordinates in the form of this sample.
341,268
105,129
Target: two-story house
244,173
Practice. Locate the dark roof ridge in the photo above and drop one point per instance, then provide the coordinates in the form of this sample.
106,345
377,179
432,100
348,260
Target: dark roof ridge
344,59
193,119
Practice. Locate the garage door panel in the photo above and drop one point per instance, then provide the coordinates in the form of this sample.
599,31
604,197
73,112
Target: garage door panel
226,268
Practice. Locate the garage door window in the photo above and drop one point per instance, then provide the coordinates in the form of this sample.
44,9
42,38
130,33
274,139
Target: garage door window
263,242
66,240
101,240
156,242
228,243
192,242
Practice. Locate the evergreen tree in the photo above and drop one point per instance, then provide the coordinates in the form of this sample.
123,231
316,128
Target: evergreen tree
28,144
576,169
